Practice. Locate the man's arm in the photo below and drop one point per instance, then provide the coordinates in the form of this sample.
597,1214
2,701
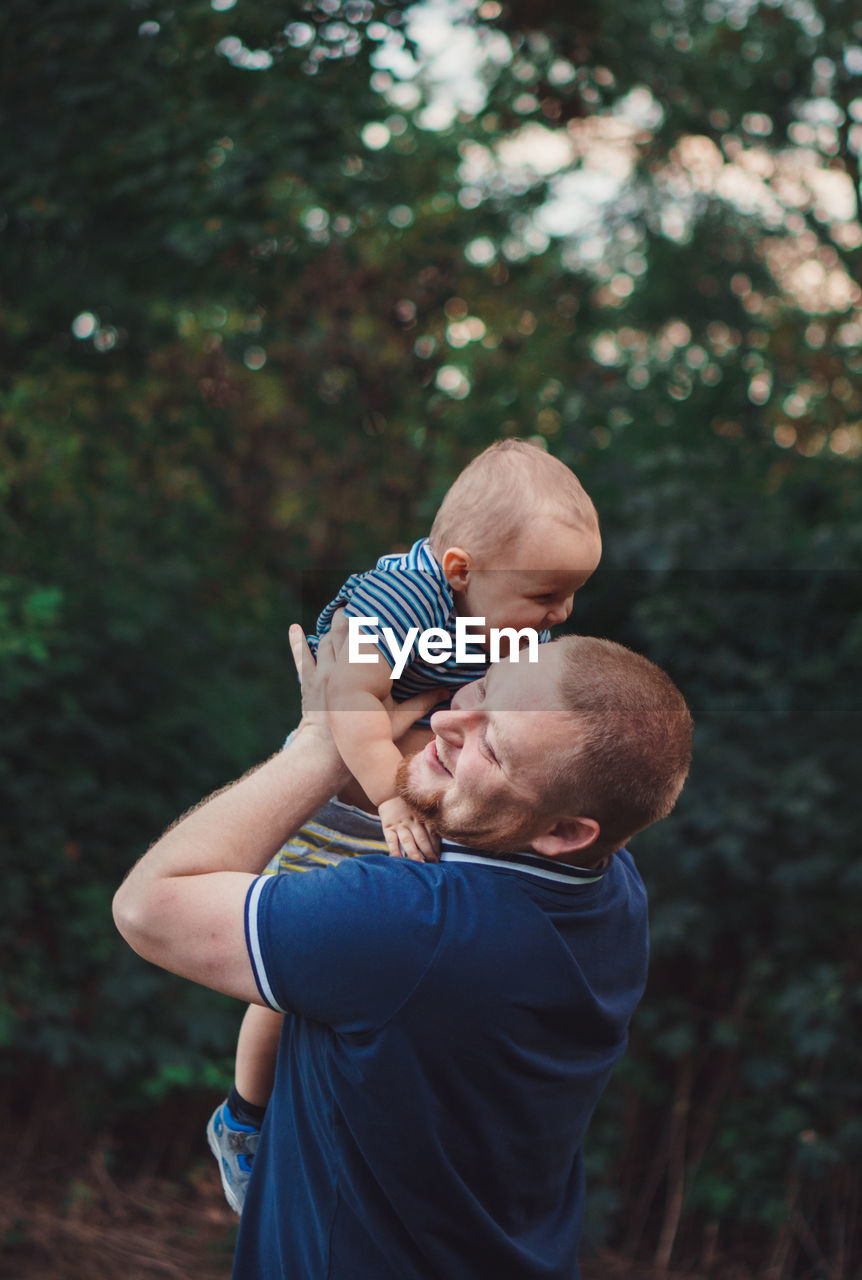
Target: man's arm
182,905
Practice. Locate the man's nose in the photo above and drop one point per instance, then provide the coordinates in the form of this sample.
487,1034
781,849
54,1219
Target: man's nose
451,724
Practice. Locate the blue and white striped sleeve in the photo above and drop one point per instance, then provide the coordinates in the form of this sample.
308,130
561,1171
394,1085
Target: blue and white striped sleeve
399,599
253,942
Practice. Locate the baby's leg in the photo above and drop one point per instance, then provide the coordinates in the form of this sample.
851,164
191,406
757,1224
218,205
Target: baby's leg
256,1052
234,1127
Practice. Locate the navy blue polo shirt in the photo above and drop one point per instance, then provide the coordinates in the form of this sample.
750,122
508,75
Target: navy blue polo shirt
450,1028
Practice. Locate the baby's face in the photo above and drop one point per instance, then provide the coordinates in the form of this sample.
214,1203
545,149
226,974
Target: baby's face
533,583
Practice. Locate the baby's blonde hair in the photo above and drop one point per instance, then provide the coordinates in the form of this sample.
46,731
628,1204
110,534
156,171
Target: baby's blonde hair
504,486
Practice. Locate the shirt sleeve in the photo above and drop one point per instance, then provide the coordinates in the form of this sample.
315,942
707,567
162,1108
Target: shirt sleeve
344,945
399,599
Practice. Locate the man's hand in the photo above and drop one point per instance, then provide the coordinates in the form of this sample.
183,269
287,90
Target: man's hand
406,834
314,724
314,676
315,679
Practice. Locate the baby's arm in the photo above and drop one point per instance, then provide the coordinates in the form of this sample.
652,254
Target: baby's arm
365,744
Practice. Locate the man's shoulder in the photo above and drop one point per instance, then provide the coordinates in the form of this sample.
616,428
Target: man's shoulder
625,867
345,945
370,885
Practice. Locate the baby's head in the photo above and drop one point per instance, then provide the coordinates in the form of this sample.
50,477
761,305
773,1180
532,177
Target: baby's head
516,537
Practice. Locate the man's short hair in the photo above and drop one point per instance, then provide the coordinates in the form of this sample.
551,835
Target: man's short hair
506,484
634,740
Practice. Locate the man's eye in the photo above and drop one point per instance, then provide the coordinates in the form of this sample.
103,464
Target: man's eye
486,750
480,690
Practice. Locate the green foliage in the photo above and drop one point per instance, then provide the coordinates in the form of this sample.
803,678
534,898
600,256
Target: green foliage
752,885
243,343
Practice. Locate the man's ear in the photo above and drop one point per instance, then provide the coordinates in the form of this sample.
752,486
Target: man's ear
569,835
456,564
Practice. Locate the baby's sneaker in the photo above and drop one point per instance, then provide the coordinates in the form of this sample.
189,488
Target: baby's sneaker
233,1145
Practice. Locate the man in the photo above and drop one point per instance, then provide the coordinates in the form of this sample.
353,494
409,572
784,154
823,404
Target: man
451,1025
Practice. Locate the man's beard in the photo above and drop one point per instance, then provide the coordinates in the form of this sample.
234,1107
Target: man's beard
427,806
480,830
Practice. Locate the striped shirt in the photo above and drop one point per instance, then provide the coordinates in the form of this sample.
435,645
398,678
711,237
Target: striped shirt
405,591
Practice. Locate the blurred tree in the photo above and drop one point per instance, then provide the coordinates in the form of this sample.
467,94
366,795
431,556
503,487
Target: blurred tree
271,274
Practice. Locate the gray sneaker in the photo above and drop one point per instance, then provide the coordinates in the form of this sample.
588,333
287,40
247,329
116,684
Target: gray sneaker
233,1145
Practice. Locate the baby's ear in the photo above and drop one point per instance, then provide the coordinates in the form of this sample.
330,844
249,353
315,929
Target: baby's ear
456,564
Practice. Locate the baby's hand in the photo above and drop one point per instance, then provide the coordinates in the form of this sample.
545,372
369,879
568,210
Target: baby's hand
406,835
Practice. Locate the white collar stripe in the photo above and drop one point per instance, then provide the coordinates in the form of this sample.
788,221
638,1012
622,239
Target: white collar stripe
528,862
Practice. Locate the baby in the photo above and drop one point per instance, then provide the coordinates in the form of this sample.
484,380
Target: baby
515,537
